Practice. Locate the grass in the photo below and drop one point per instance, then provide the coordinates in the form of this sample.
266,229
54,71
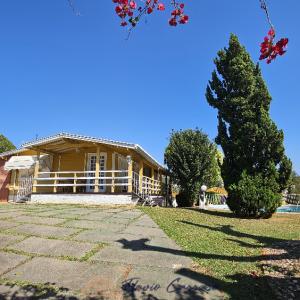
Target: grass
227,251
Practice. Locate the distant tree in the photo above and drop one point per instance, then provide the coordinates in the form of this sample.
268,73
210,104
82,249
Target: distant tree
5,144
295,183
192,161
255,168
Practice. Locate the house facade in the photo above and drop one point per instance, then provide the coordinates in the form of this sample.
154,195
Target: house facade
69,168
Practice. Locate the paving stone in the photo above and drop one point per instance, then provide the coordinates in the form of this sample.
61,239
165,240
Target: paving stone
6,224
10,260
51,213
28,291
53,247
115,210
39,220
163,242
145,221
100,236
149,256
14,292
5,208
84,224
74,212
6,239
77,276
139,250
98,216
117,221
148,231
44,230
155,283
10,214
112,227
130,214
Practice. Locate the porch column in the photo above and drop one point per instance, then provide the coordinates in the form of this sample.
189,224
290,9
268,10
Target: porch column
141,169
113,166
129,160
55,174
152,182
36,172
96,189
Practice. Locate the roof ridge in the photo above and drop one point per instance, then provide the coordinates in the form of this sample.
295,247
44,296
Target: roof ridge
60,135
73,135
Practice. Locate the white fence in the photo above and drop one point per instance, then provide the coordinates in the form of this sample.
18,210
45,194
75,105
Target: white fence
293,199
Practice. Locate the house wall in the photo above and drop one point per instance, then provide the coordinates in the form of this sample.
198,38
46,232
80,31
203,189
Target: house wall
4,182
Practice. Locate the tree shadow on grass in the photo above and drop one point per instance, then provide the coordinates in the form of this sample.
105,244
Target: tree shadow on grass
263,241
237,286
240,287
218,213
141,245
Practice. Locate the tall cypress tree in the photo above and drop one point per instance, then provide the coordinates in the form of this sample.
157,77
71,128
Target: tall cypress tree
255,168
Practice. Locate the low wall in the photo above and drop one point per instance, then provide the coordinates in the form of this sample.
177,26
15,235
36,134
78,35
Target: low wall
82,199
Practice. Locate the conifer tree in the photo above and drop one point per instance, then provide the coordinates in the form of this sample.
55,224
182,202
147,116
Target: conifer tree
255,168
5,144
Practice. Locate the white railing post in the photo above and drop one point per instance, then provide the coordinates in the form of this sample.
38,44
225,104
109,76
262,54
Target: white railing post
75,183
113,164
36,172
97,174
141,166
129,161
55,183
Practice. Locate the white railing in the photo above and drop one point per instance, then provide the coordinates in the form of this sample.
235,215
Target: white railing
25,188
150,186
136,183
82,179
293,199
108,178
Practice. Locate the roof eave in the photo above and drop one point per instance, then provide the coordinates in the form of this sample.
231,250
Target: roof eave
144,153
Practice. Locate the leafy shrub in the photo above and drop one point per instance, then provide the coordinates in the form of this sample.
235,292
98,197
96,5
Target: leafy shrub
254,196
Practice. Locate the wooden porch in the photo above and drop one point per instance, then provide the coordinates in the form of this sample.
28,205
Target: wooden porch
81,165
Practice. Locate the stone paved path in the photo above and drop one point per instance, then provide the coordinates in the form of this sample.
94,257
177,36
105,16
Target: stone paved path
72,252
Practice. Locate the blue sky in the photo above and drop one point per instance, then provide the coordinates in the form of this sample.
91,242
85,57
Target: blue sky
59,72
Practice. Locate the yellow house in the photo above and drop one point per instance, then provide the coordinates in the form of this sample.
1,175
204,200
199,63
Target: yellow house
69,168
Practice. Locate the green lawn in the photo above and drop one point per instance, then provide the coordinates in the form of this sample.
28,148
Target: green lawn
227,250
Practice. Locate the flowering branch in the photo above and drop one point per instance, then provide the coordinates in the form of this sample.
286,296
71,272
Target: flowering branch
269,49
131,13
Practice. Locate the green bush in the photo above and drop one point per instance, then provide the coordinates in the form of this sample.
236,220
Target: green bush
192,160
183,200
254,196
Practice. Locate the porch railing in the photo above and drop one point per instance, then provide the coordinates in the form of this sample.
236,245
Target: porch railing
150,186
107,178
24,188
